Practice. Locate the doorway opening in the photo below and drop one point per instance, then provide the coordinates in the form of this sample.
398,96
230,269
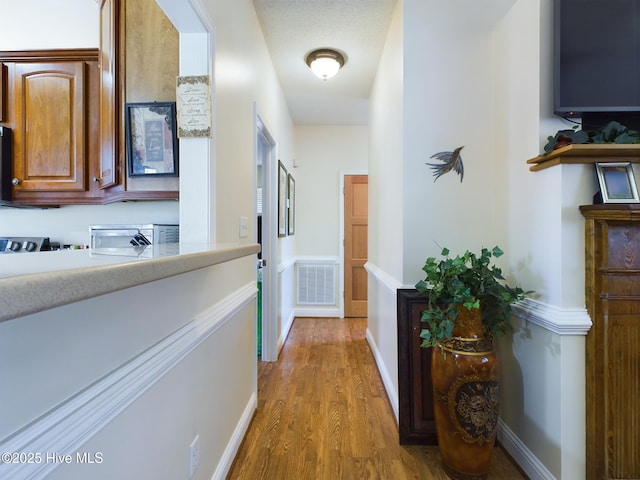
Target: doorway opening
355,245
266,229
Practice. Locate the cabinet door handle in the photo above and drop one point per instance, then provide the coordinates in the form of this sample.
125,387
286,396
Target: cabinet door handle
15,181
97,179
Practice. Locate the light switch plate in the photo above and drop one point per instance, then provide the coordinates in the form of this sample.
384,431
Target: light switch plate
244,227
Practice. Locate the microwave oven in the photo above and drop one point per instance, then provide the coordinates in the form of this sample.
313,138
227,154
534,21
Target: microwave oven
119,236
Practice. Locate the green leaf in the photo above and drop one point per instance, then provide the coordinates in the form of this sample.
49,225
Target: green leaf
580,137
626,138
422,286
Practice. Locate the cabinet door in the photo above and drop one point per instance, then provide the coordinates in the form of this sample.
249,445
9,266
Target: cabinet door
109,93
612,358
416,422
49,136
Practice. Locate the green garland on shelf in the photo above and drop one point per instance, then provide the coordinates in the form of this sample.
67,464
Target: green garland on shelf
613,132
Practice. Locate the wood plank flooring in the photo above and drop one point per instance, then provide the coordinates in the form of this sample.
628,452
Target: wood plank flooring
323,414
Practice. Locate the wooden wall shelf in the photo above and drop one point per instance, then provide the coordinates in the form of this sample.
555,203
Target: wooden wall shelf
587,153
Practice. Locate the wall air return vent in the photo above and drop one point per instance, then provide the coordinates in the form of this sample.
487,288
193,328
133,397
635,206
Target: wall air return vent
316,284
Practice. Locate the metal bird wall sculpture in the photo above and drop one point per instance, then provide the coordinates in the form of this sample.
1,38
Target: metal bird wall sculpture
451,161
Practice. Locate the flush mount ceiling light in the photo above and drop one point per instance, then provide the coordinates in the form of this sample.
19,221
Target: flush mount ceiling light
325,62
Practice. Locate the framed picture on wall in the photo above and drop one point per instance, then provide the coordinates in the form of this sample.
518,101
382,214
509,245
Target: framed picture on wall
282,200
617,182
152,144
291,205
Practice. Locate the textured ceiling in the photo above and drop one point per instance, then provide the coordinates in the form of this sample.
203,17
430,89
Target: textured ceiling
358,28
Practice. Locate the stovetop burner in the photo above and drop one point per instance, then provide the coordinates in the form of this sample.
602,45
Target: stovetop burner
24,244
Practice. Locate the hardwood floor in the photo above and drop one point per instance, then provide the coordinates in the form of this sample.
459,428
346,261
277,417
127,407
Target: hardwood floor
323,413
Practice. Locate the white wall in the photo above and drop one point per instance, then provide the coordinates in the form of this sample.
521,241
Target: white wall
480,75
70,224
544,406
39,24
448,102
134,375
386,213
245,81
322,154
150,439
244,75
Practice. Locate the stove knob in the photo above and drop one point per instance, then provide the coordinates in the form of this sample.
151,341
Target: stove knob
14,246
30,246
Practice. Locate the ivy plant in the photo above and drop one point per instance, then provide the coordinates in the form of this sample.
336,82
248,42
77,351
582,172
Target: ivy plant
465,281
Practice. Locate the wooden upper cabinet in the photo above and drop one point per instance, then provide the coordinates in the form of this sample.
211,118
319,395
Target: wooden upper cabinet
51,106
66,108
49,132
139,58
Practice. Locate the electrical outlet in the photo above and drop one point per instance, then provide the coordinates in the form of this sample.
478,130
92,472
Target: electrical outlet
194,455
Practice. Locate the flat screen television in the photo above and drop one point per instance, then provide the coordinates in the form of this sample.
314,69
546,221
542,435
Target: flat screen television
597,58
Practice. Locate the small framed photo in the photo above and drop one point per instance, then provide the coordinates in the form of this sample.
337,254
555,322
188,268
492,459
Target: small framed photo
617,183
152,144
291,205
282,200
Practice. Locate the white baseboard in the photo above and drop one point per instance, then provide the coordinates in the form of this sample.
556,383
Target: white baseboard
233,446
286,328
524,457
392,393
317,312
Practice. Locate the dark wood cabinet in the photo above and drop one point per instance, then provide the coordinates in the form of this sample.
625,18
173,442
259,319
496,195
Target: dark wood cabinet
139,59
415,391
612,284
66,108
52,110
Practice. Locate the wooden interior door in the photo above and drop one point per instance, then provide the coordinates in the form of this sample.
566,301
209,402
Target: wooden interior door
356,225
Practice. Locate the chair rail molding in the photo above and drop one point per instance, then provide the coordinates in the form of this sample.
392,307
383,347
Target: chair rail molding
561,321
383,277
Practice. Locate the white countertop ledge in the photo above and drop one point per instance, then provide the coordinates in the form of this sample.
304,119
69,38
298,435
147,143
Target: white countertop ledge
33,282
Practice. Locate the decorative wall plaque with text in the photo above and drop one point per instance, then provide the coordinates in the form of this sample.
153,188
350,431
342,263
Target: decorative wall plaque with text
193,99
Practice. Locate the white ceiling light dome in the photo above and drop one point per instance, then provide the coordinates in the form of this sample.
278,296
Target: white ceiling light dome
325,62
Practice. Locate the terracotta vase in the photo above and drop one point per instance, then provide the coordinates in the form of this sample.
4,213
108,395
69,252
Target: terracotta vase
465,376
